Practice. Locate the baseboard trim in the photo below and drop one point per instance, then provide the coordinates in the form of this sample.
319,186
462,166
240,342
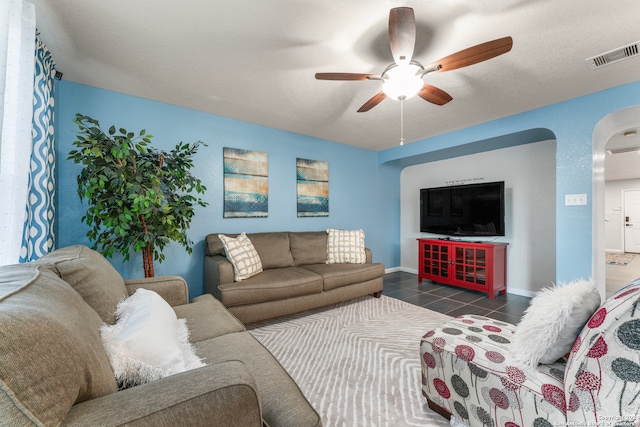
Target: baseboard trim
403,269
522,292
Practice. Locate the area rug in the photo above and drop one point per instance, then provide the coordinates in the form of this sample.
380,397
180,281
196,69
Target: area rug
618,258
358,362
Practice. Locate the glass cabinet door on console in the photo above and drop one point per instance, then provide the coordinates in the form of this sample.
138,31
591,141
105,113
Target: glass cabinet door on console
434,261
470,265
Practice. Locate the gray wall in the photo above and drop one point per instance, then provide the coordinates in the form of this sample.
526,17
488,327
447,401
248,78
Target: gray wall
529,172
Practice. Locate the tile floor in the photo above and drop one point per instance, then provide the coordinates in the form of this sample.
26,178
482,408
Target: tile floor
456,301
618,276
451,300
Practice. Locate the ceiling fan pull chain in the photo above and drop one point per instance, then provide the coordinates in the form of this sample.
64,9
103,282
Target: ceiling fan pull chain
402,121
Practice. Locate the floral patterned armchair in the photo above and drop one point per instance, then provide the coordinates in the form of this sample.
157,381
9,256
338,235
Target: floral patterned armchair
468,372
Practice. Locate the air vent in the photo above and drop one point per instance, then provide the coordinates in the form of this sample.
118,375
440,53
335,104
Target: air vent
612,56
623,150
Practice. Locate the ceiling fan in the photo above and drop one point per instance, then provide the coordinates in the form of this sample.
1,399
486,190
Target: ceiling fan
403,78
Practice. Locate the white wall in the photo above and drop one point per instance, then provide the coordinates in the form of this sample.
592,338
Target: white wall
529,172
613,210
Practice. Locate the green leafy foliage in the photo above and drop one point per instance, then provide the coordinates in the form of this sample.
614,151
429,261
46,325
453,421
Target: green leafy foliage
138,197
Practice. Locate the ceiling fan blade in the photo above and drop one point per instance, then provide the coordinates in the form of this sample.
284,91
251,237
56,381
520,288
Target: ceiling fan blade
473,55
434,95
375,100
346,76
402,34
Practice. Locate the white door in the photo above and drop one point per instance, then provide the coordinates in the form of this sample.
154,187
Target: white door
632,221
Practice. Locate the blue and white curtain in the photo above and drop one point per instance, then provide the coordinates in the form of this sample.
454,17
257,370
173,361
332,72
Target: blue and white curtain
38,231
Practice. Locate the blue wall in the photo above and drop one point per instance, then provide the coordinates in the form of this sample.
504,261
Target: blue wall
364,186
354,198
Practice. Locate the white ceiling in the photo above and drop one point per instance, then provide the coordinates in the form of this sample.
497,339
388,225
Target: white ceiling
255,60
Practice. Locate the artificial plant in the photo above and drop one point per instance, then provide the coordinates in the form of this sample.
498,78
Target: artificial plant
138,197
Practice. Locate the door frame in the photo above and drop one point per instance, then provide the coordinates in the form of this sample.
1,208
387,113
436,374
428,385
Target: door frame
611,124
624,221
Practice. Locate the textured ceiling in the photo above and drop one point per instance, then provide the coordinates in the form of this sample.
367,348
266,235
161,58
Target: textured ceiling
255,60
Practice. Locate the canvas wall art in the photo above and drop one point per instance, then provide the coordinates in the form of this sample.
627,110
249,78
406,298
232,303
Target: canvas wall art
246,183
313,187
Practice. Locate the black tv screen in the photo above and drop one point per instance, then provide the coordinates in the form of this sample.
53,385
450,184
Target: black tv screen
463,210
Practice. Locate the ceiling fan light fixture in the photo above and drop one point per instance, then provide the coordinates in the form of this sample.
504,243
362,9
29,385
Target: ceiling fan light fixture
403,78
402,81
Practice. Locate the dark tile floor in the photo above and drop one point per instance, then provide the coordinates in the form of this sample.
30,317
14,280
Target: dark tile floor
453,301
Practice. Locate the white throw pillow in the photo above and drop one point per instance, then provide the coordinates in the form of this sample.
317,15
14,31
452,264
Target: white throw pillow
345,247
553,321
243,255
148,341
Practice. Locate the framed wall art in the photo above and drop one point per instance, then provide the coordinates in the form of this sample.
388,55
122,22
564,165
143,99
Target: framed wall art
312,182
246,183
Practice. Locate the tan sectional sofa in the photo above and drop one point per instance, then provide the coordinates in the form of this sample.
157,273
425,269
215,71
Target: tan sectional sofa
295,276
54,370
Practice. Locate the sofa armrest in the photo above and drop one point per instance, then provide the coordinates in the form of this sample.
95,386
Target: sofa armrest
468,371
223,394
173,289
369,255
217,271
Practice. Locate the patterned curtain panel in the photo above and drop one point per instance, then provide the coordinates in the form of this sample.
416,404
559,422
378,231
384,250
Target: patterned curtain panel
38,232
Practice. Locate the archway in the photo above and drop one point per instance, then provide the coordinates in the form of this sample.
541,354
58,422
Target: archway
615,122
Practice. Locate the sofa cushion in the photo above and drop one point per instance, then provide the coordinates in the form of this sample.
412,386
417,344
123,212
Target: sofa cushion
282,402
274,249
51,355
338,275
242,255
207,318
213,244
92,276
309,247
345,246
552,321
271,285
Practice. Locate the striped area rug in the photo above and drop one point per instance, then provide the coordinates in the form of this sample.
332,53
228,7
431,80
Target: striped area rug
357,362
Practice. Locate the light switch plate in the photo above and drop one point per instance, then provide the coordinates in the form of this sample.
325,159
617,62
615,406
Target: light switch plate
575,199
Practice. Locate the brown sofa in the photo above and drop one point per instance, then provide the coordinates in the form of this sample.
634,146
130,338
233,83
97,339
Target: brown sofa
54,370
295,276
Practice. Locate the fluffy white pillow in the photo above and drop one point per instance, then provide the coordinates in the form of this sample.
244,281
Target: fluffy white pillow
148,341
553,321
345,246
243,255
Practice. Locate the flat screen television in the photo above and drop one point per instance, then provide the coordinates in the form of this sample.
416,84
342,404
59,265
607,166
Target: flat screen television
463,210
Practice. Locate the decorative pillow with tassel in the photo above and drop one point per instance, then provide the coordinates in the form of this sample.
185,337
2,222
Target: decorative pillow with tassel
148,341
